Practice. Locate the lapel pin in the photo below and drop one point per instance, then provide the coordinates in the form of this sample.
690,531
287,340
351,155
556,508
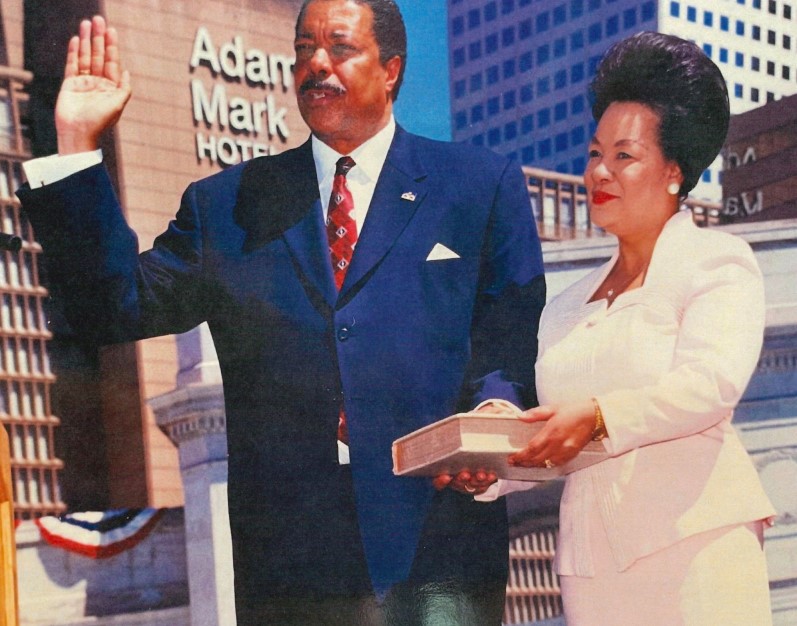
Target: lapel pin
408,195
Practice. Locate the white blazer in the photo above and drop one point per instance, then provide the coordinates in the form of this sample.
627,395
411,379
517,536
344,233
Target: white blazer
668,363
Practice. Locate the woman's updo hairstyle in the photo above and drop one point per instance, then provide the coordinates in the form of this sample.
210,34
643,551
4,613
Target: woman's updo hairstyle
678,81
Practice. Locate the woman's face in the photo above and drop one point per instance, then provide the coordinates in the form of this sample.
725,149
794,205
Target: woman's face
627,175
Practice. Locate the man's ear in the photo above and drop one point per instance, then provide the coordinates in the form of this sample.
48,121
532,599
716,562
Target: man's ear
392,70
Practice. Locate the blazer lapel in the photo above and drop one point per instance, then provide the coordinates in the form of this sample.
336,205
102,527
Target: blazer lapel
278,197
399,192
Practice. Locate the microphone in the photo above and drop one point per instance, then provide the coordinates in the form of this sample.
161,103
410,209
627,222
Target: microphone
10,242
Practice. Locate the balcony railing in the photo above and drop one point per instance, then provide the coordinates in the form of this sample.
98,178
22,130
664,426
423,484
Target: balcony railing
559,202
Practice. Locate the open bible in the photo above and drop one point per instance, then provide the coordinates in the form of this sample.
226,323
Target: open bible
479,441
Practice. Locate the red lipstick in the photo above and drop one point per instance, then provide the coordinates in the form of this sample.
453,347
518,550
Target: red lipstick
601,197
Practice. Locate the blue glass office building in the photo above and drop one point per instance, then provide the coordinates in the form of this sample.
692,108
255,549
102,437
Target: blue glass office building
520,69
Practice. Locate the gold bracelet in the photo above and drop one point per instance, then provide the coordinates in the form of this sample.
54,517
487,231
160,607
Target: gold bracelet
599,432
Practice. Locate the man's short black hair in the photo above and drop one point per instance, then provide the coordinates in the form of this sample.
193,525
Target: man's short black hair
389,32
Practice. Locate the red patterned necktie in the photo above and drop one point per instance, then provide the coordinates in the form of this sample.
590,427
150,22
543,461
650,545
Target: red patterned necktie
341,227
342,235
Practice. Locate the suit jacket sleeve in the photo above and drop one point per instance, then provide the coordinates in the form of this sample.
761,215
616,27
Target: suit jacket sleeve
108,292
510,298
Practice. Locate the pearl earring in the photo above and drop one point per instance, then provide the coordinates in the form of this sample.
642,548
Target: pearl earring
673,189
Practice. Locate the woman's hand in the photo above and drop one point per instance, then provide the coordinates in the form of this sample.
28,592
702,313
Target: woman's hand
95,88
567,430
471,483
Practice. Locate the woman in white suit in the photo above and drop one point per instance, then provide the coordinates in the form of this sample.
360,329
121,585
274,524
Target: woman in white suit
650,354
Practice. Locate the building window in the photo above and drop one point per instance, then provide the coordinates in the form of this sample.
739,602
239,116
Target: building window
510,99
559,15
461,120
525,62
475,50
755,64
787,42
754,94
543,22
477,140
691,14
559,48
577,136
457,26
577,105
474,18
706,176
756,4
493,106
459,88
561,142
756,32
490,11
491,43
770,96
507,6
648,11
577,40
459,57
595,33
560,111
543,54
594,5
740,28
738,91
560,79
477,114
708,18
508,37
527,155
773,7
594,61
723,55
527,124
707,48
629,18
771,68
577,73
493,137
509,68
787,11
576,8
724,23
476,82
739,59
543,118
579,165
612,25
786,72
675,9
544,148
492,75
510,131
772,38
526,93
524,29
543,86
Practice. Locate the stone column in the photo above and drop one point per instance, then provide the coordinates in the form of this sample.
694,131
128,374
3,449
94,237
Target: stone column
193,417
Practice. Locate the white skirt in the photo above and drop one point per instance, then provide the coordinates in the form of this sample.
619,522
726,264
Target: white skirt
715,578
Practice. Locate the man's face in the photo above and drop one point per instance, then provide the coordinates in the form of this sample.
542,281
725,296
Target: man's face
342,88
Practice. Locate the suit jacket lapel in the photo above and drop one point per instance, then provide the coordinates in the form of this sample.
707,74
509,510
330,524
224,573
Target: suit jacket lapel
278,197
399,192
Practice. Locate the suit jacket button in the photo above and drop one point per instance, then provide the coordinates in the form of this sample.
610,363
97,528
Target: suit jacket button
343,333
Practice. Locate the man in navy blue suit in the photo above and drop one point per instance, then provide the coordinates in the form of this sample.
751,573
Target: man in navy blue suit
358,287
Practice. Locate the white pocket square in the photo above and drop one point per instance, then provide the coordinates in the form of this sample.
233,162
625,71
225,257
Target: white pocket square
440,253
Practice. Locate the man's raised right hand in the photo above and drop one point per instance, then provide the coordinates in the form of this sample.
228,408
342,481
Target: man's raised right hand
95,88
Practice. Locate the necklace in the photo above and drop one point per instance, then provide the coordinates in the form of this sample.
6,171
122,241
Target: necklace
610,293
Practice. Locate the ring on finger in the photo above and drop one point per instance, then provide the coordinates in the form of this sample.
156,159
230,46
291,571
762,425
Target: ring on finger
549,464
84,72
470,489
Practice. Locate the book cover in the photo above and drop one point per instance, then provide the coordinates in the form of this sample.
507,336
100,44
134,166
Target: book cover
479,441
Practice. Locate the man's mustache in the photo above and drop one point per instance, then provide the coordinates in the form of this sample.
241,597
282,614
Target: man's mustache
321,85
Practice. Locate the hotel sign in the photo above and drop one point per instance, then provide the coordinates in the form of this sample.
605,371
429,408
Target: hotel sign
238,128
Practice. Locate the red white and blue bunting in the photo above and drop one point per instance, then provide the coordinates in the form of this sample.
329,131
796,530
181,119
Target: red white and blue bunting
99,534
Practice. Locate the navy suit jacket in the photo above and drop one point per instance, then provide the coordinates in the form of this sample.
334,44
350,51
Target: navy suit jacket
406,342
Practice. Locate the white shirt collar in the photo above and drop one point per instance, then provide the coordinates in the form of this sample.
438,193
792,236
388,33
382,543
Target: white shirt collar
369,156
